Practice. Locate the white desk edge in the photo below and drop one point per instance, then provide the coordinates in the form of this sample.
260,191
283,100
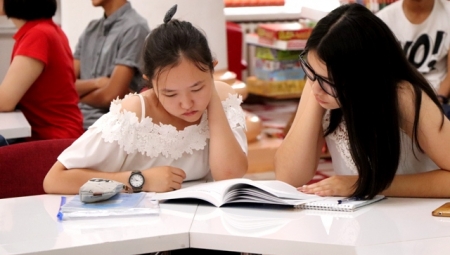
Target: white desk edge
14,125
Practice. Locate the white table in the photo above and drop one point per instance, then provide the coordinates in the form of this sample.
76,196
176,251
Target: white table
393,226
28,225
14,125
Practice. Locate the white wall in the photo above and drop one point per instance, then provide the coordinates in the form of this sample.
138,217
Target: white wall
6,44
5,23
7,30
207,15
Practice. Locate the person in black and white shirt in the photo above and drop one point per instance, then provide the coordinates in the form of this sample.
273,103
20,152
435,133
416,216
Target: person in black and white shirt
422,28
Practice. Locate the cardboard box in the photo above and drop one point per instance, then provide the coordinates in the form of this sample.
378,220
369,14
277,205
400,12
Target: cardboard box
273,54
275,65
279,75
276,89
283,31
254,39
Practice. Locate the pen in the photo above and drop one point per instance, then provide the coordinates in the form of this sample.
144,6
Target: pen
59,216
340,201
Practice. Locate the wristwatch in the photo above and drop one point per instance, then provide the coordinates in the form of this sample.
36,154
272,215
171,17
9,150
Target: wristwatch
136,181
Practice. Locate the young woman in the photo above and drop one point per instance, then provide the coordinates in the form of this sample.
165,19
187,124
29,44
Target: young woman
40,80
183,127
381,120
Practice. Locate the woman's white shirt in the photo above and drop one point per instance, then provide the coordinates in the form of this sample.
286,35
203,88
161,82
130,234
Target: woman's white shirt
338,145
118,141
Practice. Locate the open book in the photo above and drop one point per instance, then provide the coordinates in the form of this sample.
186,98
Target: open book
242,190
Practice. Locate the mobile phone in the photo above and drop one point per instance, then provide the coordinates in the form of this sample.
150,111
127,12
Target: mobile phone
99,189
442,211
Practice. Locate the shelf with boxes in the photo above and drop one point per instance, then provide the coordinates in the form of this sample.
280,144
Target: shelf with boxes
275,70
275,73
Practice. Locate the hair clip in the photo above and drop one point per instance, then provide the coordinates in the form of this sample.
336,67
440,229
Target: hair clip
170,13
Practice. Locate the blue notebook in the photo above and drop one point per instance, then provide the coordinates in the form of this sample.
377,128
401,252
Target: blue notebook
118,202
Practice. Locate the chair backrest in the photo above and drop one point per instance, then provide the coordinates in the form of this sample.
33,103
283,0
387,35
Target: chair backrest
23,166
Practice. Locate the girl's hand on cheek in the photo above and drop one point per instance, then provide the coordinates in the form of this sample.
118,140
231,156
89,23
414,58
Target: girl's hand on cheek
163,179
338,185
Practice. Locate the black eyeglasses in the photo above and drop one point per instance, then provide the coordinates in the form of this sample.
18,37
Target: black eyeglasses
326,85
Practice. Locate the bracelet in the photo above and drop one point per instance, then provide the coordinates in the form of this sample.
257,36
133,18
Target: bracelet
444,99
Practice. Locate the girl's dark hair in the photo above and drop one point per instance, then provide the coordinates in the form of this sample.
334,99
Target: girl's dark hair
29,9
366,63
169,42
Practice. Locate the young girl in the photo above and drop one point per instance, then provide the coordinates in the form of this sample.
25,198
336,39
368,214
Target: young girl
381,120
40,80
184,126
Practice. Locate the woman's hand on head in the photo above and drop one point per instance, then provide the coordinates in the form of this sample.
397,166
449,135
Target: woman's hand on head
338,185
163,179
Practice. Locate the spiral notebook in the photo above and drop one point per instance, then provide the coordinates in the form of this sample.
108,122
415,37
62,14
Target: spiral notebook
332,204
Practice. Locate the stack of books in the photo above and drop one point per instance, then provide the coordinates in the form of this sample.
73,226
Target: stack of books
248,3
292,35
277,70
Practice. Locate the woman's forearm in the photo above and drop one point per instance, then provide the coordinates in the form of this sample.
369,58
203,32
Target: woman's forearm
429,184
297,158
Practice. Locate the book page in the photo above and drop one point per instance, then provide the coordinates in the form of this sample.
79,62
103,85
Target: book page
244,193
221,192
282,190
212,192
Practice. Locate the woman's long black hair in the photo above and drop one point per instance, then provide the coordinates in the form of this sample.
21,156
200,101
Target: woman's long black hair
366,63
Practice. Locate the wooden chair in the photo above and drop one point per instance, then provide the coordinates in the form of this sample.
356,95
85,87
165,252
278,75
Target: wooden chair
23,166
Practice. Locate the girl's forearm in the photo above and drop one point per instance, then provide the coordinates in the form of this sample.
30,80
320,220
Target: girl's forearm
227,159
62,181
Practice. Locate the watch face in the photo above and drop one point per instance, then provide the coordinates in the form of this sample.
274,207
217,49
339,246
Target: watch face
136,180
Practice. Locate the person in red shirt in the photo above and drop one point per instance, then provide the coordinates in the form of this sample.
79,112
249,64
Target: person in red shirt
41,80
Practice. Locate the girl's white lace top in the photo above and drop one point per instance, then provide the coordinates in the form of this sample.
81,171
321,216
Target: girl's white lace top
118,141
343,164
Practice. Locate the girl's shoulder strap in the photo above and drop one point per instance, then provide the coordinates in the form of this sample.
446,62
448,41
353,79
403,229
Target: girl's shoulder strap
141,97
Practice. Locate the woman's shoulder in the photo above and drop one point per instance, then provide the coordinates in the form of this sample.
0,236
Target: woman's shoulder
405,91
224,90
407,106
406,100
43,28
231,103
406,96
130,103
228,96
135,103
